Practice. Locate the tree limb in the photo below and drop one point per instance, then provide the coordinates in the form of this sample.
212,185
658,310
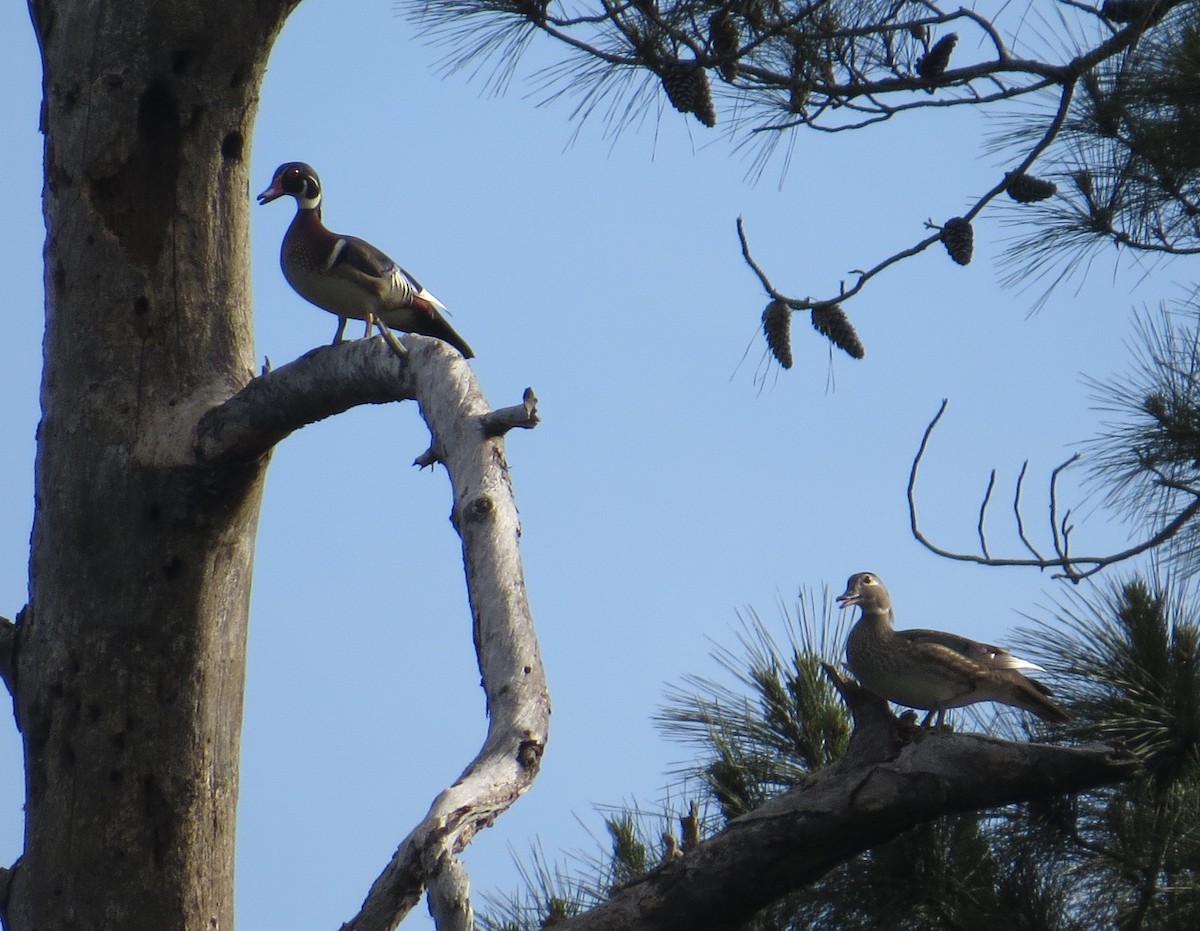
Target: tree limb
485,516
467,437
808,66
503,419
321,383
449,894
893,777
1075,568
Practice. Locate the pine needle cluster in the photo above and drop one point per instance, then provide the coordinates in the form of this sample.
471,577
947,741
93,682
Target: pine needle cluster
1147,461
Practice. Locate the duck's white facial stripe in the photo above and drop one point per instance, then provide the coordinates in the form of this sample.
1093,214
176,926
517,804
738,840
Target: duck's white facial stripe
309,201
334,253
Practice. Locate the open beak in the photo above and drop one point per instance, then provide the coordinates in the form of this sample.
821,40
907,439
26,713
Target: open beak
275,190
847,599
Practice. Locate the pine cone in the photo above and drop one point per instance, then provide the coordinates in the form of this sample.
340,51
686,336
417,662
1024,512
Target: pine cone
1026,189
686,85
534,9
705,112
798,97
959,239
1083,181
755,17
1156,406
725,39
1127,11
777,326
831,322
932,65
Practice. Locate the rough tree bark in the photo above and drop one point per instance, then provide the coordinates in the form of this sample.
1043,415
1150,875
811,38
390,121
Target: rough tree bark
129,662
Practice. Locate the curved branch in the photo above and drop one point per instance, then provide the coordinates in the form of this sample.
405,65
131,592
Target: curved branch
321,383
485,516
1059,536
467,438
979,527
865,275
1017,511
1075,568
754,266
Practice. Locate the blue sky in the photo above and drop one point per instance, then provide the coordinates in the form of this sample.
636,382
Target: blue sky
664,490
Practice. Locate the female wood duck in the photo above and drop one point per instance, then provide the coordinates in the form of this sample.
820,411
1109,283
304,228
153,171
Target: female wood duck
932,670
348,276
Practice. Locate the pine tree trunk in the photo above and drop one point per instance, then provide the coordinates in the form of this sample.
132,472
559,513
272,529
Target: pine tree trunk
129,662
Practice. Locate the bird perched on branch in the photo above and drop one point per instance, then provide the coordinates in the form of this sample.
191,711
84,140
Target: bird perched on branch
932,670
348,276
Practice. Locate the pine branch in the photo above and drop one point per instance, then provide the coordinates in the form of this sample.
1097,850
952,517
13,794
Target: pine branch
873,795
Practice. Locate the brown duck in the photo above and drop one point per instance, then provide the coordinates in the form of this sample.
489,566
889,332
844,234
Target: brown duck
932,670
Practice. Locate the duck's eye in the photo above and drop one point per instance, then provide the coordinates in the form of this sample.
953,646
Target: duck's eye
868,579
294,181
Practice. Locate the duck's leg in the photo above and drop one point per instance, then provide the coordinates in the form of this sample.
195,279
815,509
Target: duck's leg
370,320
388,335
337,337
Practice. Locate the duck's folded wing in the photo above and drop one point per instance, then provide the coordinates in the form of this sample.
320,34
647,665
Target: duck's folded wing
361,256
992,672
938,659
987,655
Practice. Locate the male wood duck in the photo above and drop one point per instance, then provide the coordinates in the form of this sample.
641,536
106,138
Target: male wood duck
347,276
932,670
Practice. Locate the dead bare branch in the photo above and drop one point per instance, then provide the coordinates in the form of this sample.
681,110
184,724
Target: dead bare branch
321,383
987,497
1059,536
756,268
449,894
518,707
332,379
1017,511
1074,568
503,419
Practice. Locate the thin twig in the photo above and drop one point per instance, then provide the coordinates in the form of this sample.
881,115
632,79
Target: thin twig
987,496
754,266
1017,511
1058,544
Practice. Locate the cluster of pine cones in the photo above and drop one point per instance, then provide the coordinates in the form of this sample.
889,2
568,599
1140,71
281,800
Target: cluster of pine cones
827,319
